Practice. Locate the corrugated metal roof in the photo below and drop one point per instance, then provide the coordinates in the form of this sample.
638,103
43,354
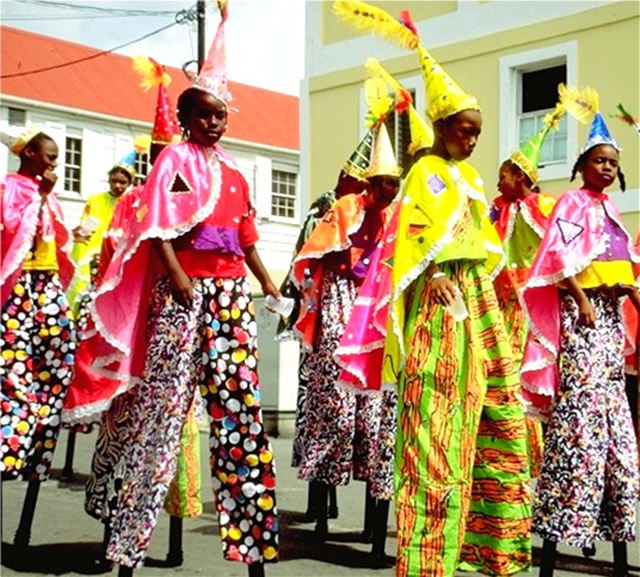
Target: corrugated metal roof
107,84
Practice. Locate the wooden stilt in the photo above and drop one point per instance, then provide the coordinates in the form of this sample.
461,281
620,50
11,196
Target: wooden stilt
620,563
548,560
381,520
369,517
23,533
67,471
256,570
175,556
333,502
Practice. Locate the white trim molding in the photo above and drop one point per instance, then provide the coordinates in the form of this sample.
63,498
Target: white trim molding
511,67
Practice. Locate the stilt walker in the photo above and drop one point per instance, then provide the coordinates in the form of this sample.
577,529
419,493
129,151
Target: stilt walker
37,332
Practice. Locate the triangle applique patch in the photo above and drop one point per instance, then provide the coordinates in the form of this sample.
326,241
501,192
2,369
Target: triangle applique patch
179,184
569,230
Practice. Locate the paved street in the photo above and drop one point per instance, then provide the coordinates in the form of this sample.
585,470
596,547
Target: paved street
66,541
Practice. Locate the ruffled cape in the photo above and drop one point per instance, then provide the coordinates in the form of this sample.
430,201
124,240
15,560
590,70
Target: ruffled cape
330,235
361,348
23,216
573,240
371,352
181,191
435,194
535,210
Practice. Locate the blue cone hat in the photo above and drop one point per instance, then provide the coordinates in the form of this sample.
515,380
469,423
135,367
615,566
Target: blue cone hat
599,134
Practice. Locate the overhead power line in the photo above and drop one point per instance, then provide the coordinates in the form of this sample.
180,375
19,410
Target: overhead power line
72,17
128,11
93,56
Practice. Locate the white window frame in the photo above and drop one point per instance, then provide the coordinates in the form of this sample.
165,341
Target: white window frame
511,67
296,206
76,134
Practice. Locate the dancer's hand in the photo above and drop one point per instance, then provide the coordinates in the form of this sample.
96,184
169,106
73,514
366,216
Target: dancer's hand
47,182
443,290
181,288
586,313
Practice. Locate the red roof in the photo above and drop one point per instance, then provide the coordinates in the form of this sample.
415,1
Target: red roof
109,85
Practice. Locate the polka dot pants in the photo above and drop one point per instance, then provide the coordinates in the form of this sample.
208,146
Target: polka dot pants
214,344
37,340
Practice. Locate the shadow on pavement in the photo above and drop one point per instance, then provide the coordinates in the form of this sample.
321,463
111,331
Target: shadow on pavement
56,559
582,565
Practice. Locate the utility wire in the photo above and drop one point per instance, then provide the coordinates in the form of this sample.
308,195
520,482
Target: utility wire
70,17
75,6
93,56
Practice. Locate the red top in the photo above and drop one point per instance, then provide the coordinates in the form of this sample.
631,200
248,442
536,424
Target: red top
214,247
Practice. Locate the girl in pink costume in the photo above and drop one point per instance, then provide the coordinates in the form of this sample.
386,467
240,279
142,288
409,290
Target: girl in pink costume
177,296
573,370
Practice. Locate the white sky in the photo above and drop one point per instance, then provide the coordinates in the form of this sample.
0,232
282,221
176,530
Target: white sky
264,38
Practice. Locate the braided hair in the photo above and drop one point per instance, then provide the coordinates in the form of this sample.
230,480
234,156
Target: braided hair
186,103
582,159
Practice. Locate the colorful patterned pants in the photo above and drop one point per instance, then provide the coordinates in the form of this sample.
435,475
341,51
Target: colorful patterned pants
516,326
588,486
462,495
37,339
340,433
214,345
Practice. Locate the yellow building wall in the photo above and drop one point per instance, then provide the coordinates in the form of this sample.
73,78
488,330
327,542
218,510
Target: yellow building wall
332,31
608,49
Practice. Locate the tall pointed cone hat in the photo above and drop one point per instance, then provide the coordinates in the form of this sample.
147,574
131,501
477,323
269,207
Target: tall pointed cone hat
212,77
599,134
357,165
584,105
421,132
528,156
444,96
383,160
378,104
166,128
626,116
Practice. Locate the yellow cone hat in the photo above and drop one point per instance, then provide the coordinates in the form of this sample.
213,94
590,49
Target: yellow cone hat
383,160
421,132
444,95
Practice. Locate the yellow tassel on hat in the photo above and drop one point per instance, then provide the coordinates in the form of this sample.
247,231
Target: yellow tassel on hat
152,72
581,103
377,21
444,96
421,132
383,160
378,100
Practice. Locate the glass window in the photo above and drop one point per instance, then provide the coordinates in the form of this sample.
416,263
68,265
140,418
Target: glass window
72,164
142,167
539,94
283,194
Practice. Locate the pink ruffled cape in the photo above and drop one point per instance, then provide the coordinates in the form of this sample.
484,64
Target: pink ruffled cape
21,220
360,352
572,241
182,190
